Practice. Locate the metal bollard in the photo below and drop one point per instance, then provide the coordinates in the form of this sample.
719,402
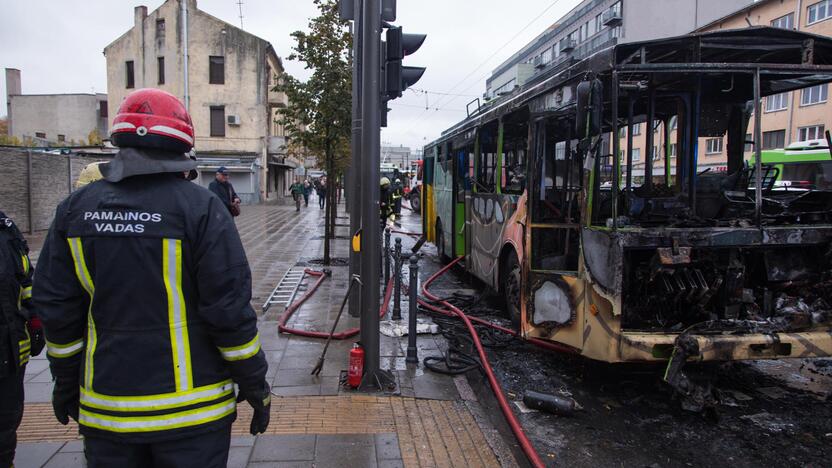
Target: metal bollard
412,353
386,256
397,282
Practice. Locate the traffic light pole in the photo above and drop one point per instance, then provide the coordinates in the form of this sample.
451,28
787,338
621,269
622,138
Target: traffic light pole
354,182
370,263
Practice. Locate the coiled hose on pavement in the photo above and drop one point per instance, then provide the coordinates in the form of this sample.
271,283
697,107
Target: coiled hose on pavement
343,335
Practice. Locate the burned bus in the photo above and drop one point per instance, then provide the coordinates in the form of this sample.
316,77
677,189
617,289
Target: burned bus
540,193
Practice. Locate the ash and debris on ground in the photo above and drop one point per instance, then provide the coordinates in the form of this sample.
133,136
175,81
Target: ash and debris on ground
776,410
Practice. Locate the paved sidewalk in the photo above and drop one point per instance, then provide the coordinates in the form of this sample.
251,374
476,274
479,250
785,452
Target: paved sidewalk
433,420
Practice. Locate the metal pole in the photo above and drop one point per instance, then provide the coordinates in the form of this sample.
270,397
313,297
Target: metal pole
29,184
397,281
758,140
186,94
386,253
354,173
374,378
412,352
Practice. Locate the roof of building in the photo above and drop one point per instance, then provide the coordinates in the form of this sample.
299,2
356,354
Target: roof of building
744,9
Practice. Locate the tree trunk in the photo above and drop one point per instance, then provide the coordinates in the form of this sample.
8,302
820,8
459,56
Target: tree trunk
328,225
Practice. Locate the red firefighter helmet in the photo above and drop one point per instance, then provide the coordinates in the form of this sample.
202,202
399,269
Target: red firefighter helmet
152,118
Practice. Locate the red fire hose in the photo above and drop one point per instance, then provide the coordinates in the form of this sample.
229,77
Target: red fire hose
524,441
343,335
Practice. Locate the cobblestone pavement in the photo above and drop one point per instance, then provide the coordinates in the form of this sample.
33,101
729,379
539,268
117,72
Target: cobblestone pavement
431,420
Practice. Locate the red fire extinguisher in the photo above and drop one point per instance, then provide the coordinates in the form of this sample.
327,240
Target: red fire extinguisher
356,369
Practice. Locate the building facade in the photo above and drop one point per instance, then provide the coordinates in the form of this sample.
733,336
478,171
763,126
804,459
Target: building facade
54,119
225,77
400,156
597,24
787,117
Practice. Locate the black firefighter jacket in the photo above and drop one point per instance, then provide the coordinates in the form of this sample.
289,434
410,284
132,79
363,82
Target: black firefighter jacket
15,298
144,290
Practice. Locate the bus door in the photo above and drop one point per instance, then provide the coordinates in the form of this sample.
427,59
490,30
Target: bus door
444,200
484,214
462,184
552,287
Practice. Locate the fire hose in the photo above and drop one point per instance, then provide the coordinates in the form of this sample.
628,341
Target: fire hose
451,310
343,335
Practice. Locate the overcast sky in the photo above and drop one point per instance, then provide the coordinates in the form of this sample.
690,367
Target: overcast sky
58,44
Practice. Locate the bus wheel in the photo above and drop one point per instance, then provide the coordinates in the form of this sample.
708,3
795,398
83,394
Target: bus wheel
440,243
416,204
510,274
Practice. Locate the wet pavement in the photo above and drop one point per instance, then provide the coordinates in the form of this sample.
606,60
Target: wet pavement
429,420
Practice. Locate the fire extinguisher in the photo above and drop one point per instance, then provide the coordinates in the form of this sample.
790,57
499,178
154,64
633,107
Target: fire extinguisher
356,369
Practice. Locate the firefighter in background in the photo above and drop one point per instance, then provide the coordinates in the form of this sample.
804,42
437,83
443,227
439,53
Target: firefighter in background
386,203
145,291
20,333
397,194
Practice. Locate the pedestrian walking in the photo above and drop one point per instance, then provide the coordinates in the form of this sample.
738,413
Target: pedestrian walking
21,335
222,188
307,190
144,291
322,193
297,190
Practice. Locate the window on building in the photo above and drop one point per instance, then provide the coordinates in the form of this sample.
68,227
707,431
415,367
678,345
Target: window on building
61,138
217,121
784,22
216,72
102,109
583,32
656,153
673,150
636,154
777,102
713,146
40,135
674,122
160,65
160,33
637,129
748,146
546,56
814,95
774,139
616,8
815,132
599,22
819,11
131,80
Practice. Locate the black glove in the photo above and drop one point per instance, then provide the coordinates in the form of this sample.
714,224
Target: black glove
65,398
38,341
260,400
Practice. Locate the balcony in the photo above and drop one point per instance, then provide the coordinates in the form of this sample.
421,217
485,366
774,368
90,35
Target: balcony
567,45
612,18
277,99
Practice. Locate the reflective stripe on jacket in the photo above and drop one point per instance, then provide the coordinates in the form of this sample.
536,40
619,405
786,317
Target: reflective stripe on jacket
144,291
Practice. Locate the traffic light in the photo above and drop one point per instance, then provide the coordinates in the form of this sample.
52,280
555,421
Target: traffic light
399,45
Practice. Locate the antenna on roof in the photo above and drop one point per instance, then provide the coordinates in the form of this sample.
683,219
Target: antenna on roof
240,5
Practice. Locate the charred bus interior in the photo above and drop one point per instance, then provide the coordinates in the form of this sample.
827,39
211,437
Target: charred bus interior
706,250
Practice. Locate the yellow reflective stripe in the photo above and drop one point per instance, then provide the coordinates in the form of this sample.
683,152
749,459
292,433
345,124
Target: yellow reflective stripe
77,250
26,265
157,402
245,351
64,350
181,419
177,314
26,293
24,361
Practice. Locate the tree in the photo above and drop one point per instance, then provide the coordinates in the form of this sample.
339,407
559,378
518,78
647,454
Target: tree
94,137
319,114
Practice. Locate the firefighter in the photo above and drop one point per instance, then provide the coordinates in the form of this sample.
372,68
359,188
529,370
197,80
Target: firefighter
20,333
145,291
397,194
385,200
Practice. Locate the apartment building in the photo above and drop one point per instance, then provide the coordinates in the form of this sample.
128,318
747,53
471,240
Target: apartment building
54,119
597,24
225,76
787,117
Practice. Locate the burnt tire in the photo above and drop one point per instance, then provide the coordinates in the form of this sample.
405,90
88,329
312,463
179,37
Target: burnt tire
511,287
440,244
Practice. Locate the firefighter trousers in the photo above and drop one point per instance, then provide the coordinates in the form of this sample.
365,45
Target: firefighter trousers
11,413
208,450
